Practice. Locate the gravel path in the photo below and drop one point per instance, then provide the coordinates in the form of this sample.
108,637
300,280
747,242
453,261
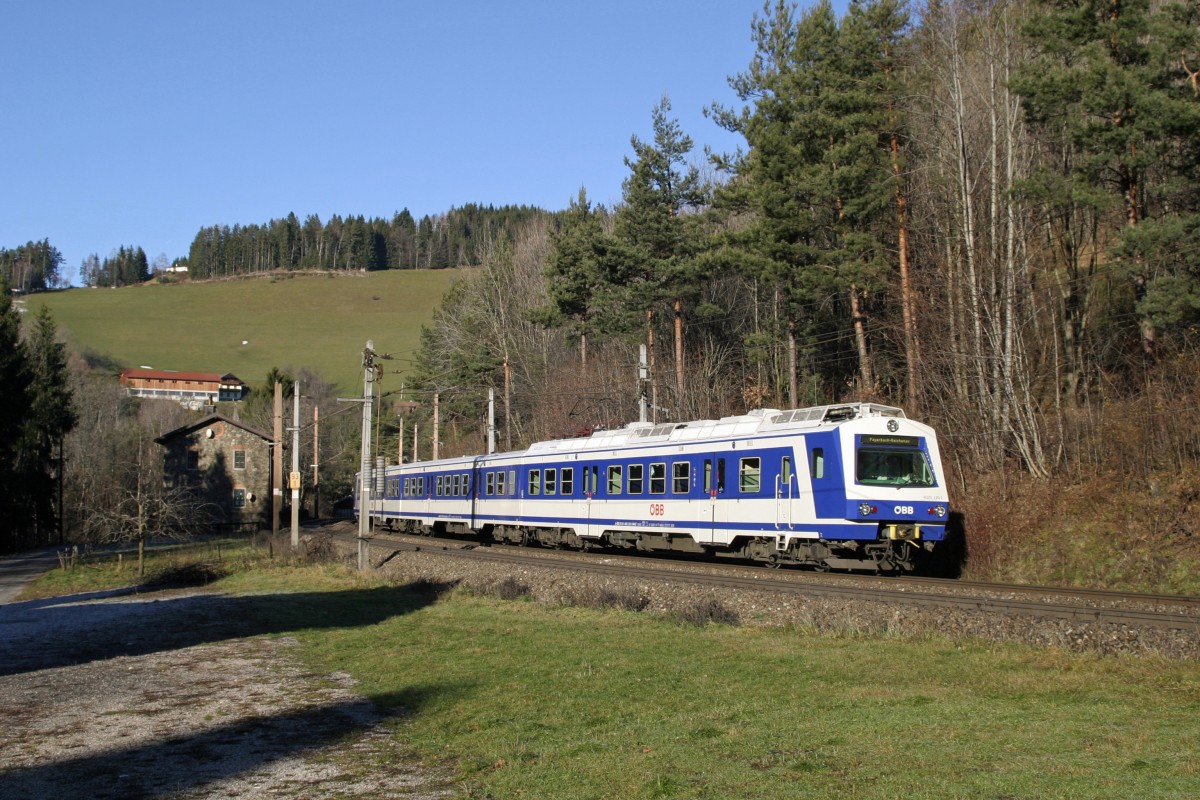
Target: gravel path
163,696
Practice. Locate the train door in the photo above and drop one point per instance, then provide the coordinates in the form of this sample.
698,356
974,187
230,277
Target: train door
589,475
711,510
785,494
474,489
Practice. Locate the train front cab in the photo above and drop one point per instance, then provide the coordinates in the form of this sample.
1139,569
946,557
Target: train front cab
883,500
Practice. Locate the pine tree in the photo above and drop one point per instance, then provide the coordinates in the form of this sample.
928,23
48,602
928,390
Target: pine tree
51,417
655,225
15,380
814,173
1113,93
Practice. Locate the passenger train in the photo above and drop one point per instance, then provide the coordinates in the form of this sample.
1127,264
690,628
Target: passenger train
851,486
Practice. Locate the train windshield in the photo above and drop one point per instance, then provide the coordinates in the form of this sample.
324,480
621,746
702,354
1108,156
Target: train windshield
893,467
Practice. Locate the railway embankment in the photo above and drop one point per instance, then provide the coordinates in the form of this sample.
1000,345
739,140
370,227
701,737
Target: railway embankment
831,604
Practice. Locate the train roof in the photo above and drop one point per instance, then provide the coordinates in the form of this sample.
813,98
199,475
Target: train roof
767,420
757,421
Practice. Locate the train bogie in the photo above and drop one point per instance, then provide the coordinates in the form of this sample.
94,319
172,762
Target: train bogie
833,487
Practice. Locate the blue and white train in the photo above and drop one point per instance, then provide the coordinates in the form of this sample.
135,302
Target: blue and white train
851,486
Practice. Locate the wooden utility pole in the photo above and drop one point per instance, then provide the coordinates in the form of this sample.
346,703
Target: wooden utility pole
277,461
365,479
294,477
315,468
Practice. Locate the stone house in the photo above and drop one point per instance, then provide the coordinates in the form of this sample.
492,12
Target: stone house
227,464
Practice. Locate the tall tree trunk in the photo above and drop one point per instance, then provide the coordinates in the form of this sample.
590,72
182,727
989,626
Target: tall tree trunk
865,373
906,290
793,386
678,355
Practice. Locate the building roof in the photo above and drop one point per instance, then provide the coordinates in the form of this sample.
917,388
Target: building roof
172,375
192,427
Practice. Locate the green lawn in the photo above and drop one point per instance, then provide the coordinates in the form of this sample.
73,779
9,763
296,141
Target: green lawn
529,701
314,321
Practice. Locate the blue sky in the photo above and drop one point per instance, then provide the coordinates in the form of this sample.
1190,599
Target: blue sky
137,123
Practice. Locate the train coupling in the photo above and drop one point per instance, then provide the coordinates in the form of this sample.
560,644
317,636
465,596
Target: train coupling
902,533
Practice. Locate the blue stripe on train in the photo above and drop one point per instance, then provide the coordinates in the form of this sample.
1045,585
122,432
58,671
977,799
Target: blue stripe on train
825,530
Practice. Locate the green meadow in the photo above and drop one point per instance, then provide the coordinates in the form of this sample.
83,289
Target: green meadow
523,700
319,322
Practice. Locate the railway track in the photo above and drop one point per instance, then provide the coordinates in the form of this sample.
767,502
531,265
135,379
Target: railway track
1090,606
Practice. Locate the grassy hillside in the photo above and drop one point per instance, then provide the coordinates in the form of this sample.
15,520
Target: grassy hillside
316,321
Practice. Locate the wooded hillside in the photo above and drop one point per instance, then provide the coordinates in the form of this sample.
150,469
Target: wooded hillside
987,213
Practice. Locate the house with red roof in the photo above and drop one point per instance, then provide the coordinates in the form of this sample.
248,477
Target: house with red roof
193,390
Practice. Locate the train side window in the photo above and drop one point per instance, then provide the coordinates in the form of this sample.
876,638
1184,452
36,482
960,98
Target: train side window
817,467
566,481
535,482
512,481
500,482
489,486
658,478
785,471
551,481
708,476
681,477
456,485
749,475
637,475
720,475
614,480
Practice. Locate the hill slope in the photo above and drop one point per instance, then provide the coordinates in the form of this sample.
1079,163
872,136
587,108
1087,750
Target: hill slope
248,326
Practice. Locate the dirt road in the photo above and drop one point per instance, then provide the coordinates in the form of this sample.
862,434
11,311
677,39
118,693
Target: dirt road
183,695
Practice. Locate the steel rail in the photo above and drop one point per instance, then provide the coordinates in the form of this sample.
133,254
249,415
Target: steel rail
781,583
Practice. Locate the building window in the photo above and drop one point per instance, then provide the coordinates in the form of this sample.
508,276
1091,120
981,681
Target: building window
239,459
239,498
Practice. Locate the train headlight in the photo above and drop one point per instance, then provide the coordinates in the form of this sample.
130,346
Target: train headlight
939,511
866,509
893,425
